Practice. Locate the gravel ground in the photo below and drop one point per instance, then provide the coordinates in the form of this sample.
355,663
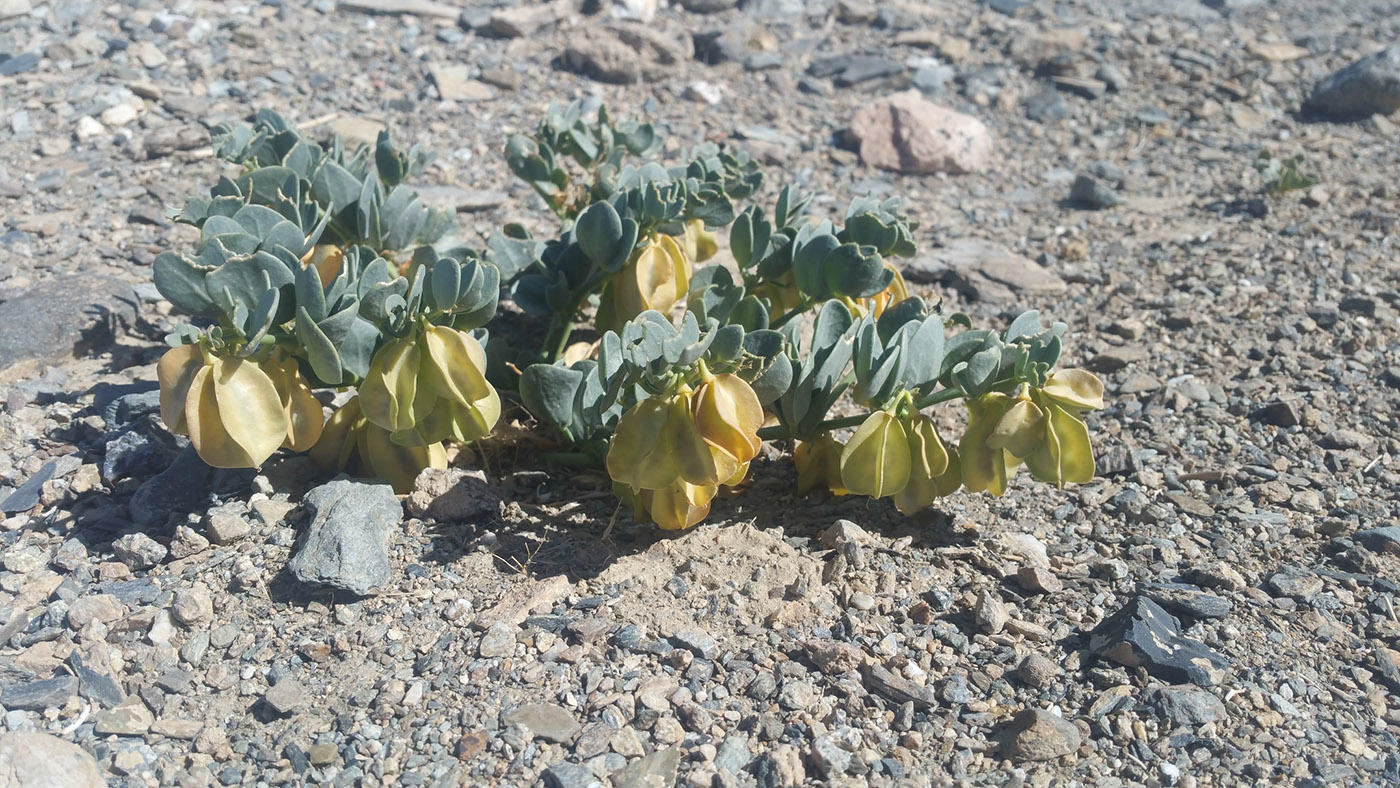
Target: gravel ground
1217,609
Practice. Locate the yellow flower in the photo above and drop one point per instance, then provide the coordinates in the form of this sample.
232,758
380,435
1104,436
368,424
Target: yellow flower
430,387
350,442
327,259
896,291
656,443
728,415
876,460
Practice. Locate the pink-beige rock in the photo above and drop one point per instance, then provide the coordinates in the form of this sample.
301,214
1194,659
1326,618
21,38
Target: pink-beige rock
907,133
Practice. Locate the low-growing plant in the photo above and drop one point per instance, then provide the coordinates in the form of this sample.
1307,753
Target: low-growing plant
663,361
1283,175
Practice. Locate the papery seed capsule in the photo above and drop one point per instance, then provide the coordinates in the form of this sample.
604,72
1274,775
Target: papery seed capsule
1075,388
234,414
680,505
929,462
1020,430
637,455
390,385
337,445
983,467
729,415
818,464
175,371
1066,454
700,244
454,365
876,460
303,411
399,465
327,259
693,455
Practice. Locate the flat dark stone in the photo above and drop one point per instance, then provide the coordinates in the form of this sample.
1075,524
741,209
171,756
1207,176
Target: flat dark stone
1187,600
19,64
898,688
94,686
41,694
26,496
1142,634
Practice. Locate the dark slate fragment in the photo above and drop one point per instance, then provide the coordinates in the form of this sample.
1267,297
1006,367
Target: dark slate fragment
1184,599
94,686
1381,540
39,695
26,497
898,688
1142,634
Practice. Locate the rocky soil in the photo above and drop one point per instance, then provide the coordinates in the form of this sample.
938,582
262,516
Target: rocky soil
1219,608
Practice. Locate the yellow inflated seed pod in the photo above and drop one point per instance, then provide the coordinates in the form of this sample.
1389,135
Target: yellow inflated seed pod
327,259
983,467
637,455
929,461
700,243
234,414
337,445
397,464
303,411
175,371
693,455
1020,430
1066,454
818,464
454,365
680,505
1075,388
388,390
729,415
876,460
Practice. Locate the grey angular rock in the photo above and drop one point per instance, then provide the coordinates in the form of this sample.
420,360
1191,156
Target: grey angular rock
139,551
40,760
498,640
1089,192
570,775
1187,600
286,696
1037,735
97,687
659,768
697,642
984,271
1370,86
179,488
346,543
26,496
39,695
1142,634
1382,540
452,495
1188,704
128,718
546,721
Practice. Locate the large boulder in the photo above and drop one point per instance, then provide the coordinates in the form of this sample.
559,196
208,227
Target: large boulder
1370,86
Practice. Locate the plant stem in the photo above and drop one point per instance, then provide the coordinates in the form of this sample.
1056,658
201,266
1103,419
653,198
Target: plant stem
561,327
